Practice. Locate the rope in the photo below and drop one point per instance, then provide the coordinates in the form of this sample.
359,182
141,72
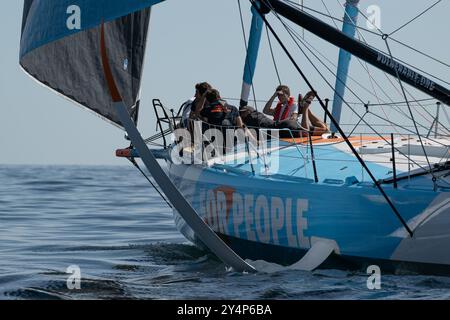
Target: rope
148,179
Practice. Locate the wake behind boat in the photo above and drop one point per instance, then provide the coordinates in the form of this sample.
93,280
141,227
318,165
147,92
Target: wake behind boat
341,199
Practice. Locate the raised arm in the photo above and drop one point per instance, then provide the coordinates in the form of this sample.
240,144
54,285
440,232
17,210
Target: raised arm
198,105
268,108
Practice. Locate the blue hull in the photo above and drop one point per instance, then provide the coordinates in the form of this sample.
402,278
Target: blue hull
278,219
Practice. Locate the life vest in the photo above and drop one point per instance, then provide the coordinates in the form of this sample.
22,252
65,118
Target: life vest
281,114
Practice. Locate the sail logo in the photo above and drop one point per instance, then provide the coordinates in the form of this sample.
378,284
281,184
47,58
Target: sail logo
272,220
406,72
73,22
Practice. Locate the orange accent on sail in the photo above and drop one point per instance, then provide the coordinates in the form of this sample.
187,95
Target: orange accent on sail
115,95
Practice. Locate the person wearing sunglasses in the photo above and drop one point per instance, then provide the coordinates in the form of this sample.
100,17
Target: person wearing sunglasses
286,108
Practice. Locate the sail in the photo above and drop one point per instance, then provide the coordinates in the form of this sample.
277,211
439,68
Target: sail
348,28
60,47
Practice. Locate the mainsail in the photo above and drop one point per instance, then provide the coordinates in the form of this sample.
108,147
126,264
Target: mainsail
60,48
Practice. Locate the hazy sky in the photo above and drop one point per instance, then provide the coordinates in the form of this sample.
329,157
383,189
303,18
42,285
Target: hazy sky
189,42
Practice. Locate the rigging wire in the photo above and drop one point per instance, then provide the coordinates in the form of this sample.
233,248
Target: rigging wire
380,34
309,46
389,79
364,66
327,15
246,51
398,103
329,84
388,200
393,103
409,109
415,18
273,56
420,52
401,43
400,111
133,161
361,118
289,30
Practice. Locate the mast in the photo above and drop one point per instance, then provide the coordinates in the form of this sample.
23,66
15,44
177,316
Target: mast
360,50
252,55
348,28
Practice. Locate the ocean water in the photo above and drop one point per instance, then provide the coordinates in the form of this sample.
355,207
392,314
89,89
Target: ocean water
109,223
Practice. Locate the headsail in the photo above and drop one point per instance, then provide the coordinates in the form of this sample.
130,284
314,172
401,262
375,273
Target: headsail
60,48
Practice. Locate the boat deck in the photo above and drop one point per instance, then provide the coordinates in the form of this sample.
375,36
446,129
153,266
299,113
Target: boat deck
334,161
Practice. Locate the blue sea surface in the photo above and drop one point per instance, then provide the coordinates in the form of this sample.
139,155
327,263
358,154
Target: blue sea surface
110,223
